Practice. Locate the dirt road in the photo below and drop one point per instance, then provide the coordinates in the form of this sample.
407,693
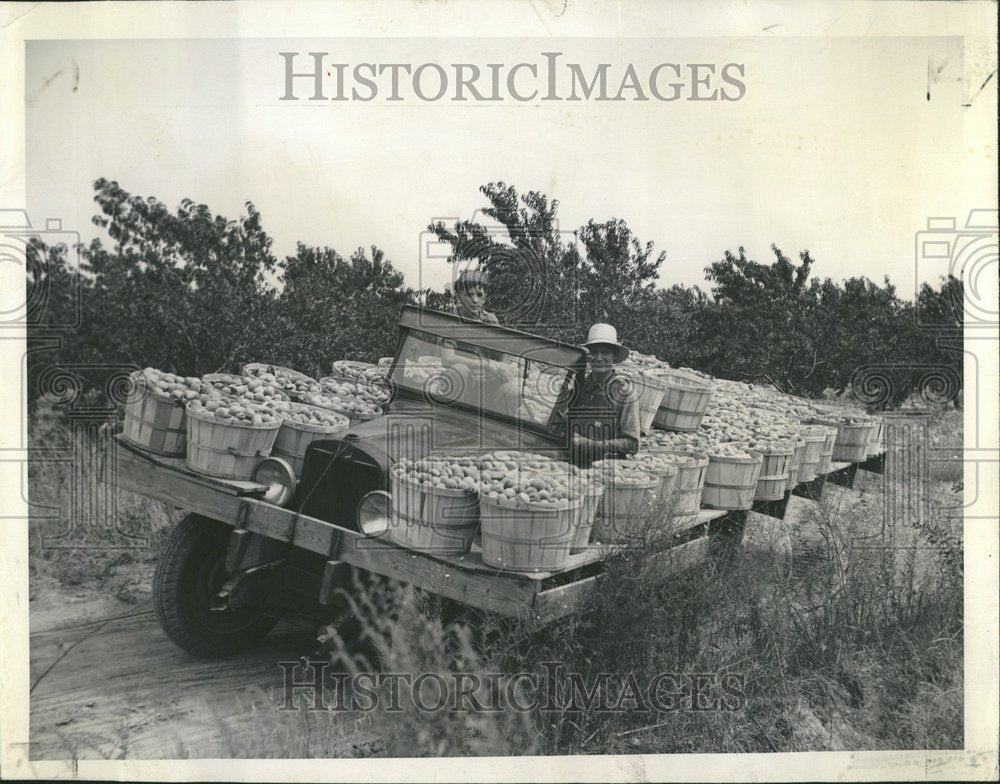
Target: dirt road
108,684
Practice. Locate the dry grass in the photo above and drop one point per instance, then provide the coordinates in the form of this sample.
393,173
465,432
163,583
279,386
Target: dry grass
846,634
82,531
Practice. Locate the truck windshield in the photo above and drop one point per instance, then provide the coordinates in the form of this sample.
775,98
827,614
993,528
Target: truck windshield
446,372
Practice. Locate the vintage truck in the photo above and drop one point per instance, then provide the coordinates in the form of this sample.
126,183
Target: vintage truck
249,553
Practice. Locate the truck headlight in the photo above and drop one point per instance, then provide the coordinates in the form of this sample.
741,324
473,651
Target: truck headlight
374,509
279,479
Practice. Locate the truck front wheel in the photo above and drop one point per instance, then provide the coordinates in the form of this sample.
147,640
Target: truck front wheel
190,571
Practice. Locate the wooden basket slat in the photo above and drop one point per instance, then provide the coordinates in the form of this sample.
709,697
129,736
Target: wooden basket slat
650,394
586,513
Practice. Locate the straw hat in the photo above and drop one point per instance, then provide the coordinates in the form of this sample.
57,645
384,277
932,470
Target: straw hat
606,335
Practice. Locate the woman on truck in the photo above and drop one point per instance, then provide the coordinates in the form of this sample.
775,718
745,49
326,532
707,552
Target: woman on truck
603,416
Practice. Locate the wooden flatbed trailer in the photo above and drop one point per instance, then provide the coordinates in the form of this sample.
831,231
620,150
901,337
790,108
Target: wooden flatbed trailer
263,532
543,596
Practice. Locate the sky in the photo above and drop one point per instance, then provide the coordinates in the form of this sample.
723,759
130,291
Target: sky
834,147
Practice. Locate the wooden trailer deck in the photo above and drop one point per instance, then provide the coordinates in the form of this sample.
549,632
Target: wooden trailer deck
465,578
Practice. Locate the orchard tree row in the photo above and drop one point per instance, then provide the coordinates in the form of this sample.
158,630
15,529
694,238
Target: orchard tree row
192,292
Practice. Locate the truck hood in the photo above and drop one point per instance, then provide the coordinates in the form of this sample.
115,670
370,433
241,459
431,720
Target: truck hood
413,430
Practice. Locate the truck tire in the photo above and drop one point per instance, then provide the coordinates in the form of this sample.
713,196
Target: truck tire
190,571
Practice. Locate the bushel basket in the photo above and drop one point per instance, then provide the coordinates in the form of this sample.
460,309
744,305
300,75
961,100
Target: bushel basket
793,470
665,492
853,440
812,455
775,469
349,370
731,482
877,445
434,520
690,482
355,417
153,421
648,392
685,401
254,368
228,450
626,510
528,537
294,437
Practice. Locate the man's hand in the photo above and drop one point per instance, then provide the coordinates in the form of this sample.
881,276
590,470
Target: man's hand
581,448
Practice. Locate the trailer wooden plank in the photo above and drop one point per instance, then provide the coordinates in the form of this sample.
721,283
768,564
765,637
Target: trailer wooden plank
473,560
494,593
183,487
136,475
287,525
501,592
325,538
178,465
497,593
565,599
562,600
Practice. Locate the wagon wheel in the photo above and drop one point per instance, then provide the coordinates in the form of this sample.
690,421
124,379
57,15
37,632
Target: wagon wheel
190,571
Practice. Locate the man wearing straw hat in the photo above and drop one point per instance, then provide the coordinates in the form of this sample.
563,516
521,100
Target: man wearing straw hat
603,418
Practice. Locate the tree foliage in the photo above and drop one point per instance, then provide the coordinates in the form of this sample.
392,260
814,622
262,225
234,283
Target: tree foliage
186,290
772,323
334,308
549,279
193,292
618,273
531,263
